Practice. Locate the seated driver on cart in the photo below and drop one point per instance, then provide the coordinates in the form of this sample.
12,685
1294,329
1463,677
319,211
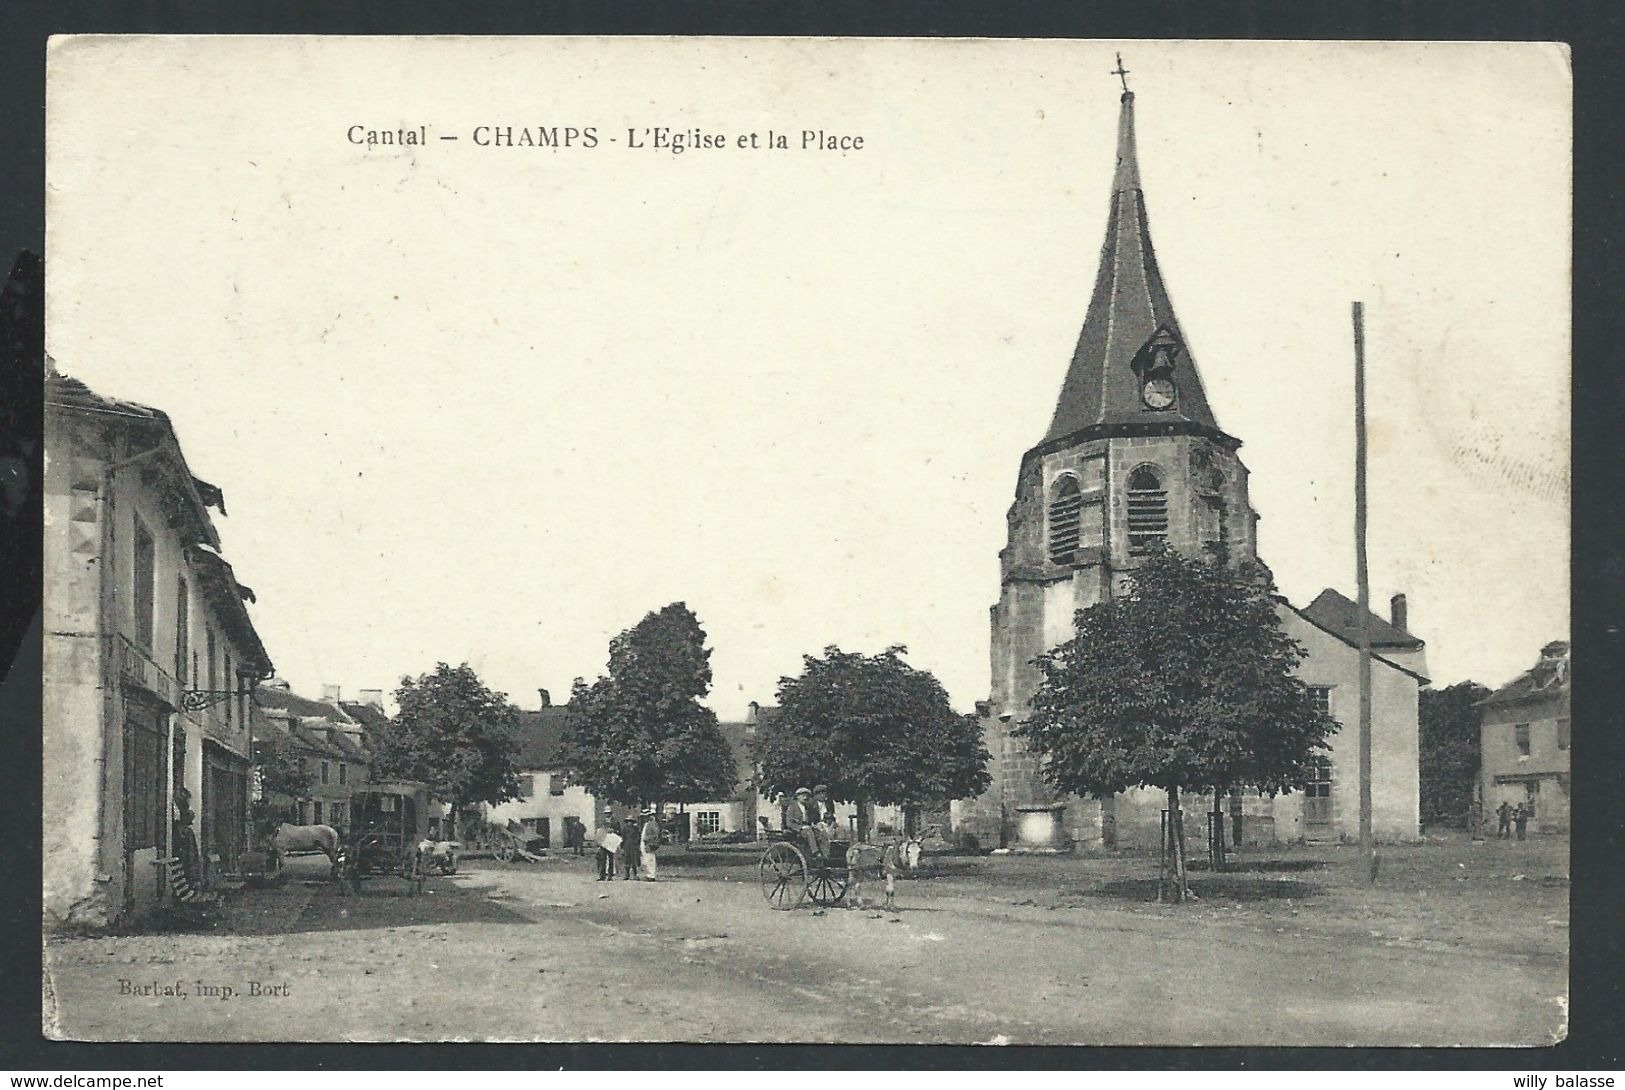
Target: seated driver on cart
802,817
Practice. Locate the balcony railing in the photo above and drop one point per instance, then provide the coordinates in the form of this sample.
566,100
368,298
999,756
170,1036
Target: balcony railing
137,669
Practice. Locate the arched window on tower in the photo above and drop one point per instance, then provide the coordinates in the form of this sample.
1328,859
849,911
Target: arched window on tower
1065,512
1147,511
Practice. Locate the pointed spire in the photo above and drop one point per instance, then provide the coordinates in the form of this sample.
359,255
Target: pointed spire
1130,320
1128,164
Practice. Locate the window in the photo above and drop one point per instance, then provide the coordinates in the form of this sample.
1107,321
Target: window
324,771
1065,511
343,771
1319,783
230,700
1147,511
1322,696
1563,733
1520,738
1211,528
557,782
143,571
316,813
527,785
336,814
183,628
210,657
708,821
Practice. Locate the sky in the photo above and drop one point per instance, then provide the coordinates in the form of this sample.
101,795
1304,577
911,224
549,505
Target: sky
495,404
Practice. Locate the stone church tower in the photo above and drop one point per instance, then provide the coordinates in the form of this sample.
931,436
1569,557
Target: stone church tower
1133,456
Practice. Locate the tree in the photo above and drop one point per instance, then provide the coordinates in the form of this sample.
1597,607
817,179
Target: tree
639,733
1186,681
873,728
453,734
282,780
1449,751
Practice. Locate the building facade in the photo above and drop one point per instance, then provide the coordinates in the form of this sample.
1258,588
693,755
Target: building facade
150,657
1134,460
330,741
1524,742
548,796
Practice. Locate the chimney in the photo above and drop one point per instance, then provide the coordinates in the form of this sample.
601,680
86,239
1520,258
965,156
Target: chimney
547,698
1396,612
375,697
755,711
330,693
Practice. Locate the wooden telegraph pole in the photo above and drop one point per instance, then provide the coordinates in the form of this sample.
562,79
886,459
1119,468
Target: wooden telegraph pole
1368,843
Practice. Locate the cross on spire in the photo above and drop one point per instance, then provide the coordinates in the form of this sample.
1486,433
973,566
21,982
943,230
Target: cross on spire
1121,73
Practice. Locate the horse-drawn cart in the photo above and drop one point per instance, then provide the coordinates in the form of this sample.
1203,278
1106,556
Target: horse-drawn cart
388,822
789,876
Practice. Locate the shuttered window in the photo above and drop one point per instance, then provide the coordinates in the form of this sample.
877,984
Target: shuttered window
1065,512
183,628
1147,511
143,780
143,570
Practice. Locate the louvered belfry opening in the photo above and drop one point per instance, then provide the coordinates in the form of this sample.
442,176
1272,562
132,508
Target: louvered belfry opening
1065,513
1147,511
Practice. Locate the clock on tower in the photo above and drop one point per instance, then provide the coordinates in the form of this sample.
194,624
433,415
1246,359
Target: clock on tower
1155,366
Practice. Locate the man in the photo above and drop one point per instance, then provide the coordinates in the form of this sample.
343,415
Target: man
826,809
1521,816
607,845
1503,814
649,842
630,846
803,818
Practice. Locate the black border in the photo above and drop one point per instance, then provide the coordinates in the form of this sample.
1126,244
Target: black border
1594,31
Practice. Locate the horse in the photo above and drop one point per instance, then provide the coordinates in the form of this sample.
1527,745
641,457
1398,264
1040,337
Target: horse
307,838
890,859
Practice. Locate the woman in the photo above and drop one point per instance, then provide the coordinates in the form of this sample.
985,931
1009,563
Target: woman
649,842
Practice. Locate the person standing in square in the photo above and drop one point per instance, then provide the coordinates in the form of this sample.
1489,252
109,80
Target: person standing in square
649,844
606,851
629,847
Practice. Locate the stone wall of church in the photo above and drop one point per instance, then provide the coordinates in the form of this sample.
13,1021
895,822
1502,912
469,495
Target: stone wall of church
1205,482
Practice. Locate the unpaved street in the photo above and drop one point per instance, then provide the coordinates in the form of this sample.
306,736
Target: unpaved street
998,951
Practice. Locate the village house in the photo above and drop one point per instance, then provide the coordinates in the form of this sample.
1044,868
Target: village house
548,799
740,811
1134,460
331,742
150,657
1524,742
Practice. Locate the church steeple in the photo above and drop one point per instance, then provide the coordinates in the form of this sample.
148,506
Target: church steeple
1132,368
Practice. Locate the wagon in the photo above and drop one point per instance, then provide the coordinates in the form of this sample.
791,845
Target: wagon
388,821
789,877
508,844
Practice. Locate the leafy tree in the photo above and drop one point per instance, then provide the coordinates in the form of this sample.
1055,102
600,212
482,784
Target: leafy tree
1449,751
455,735
873,728
640,733
283,780
1184,682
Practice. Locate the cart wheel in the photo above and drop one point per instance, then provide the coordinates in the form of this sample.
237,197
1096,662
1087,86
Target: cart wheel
783,872
828,886
505,852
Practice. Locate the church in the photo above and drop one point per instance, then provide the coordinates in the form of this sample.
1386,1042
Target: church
1134,458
